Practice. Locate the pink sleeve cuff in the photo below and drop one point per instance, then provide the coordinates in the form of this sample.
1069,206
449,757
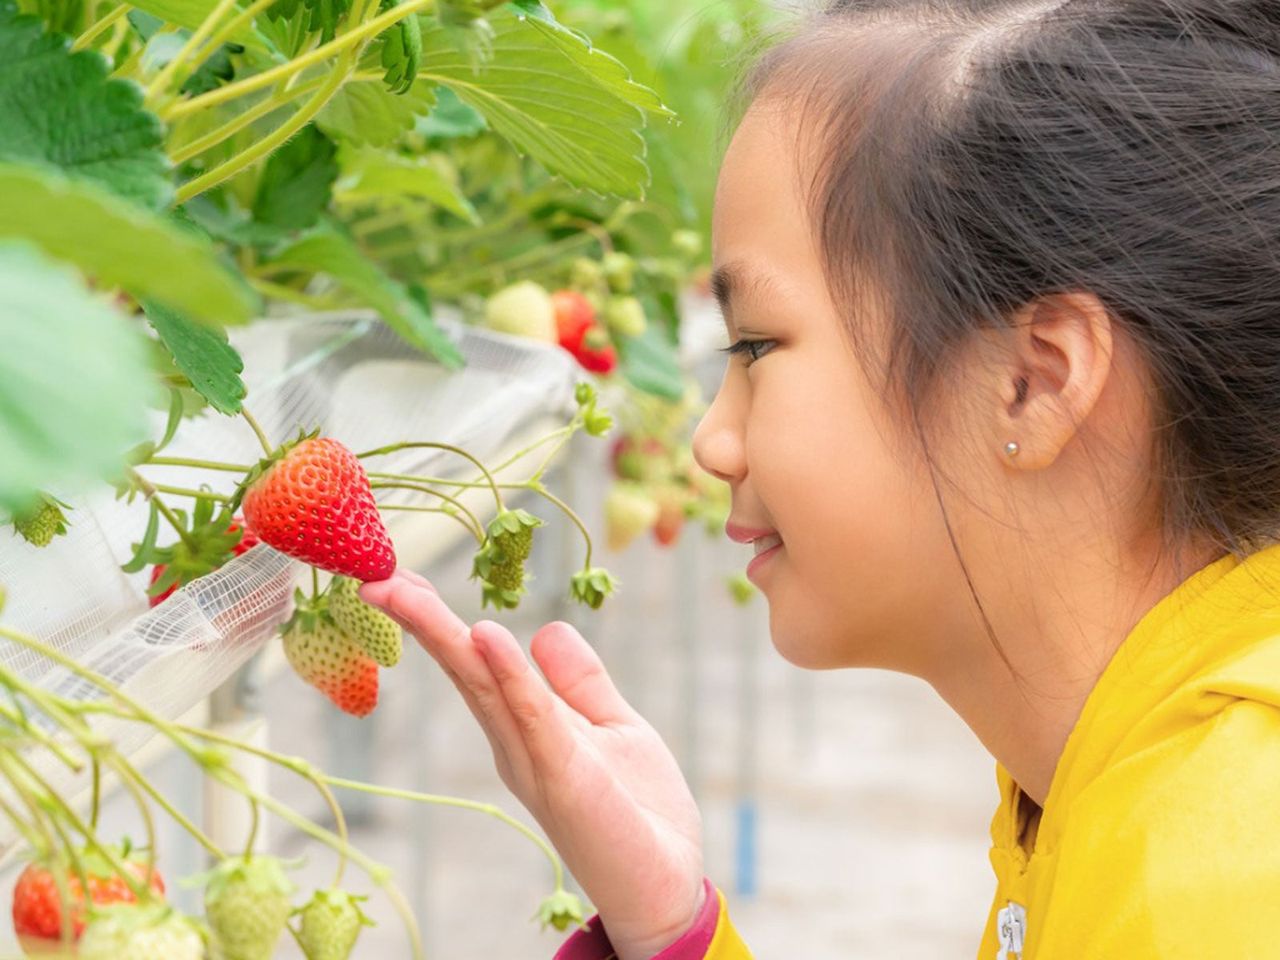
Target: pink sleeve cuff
593,943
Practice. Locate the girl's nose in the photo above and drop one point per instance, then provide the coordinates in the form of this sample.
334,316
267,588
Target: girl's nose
718,442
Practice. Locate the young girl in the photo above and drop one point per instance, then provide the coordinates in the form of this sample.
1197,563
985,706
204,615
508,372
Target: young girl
1003,285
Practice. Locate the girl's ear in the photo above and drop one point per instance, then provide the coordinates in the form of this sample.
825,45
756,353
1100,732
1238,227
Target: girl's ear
1056,370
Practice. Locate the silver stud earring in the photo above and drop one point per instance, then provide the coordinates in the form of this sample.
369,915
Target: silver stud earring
1011,449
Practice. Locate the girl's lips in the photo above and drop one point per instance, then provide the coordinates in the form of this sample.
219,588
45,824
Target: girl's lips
740,534
761,559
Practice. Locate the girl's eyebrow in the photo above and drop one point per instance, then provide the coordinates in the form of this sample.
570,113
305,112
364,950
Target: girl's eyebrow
732,283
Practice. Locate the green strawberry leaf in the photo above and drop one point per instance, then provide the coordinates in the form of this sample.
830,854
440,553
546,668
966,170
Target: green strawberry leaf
569,106
59,108
203,354
68,417
120,243
367,112
451,118
372,174
649,362
326,251
297,182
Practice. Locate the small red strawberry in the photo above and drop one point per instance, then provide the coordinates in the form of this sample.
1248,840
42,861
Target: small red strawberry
37,907
596,353
312,501
247,542
325,657
671,503
574,316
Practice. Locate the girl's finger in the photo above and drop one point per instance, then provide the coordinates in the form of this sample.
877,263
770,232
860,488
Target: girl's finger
578,676
447,638
547,737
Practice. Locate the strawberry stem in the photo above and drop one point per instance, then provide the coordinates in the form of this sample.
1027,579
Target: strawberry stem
202,464
450,448
476,530
150,492
445,510
197,494
257,429
95,802
537,487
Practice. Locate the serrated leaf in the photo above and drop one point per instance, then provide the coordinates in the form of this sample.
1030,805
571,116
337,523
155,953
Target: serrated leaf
120,243
572,108
331,253
650,363
367,112
204,355
74,383
59,108
372,174
297,182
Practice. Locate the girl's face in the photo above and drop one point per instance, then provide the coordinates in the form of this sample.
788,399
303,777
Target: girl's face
864,573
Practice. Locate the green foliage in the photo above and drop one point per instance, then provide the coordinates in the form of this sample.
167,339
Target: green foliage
120,243
69,422
85,124
297,182
204,356
379,175
370,113
326,251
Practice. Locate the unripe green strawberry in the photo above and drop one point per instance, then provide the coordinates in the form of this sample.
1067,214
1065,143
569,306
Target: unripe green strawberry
330,926
246,902
628,512
324,656
379,635
619,270
625,316
687,243
592,585
43,520
559,910
524,309
140,932
499,563
586,275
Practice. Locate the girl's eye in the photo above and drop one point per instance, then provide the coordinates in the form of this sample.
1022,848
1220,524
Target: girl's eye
753,350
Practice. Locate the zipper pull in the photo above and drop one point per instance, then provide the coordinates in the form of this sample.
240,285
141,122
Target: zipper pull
1011,925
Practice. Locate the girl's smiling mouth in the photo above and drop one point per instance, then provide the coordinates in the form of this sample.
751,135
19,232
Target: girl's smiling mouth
765,542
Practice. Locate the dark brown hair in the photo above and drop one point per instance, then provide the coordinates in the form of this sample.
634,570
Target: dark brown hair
977,154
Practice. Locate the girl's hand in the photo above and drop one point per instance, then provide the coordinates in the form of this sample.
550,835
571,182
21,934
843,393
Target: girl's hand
594,774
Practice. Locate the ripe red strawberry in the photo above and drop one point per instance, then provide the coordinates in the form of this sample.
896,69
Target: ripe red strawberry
596,353
574,316
37,908
248,541
325,657
312,501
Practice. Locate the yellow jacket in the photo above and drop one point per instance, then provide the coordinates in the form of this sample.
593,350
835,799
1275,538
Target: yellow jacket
1160,837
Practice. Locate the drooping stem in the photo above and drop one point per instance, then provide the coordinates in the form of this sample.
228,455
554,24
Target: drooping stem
540,489
449,448
476,529
227,30
95,802
414,508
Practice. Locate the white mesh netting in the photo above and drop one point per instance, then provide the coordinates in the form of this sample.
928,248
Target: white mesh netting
345,373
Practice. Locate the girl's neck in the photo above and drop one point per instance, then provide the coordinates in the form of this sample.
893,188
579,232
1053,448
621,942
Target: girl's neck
1059,644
